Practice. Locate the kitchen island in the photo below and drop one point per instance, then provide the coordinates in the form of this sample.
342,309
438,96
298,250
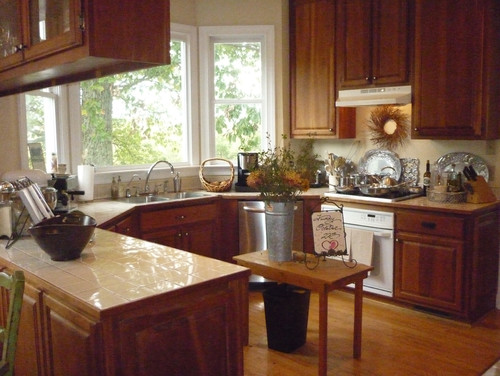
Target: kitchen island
129,307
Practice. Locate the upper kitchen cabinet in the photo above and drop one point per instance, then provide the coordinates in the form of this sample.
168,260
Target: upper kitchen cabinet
373,43
51,42
37,28
312,73
457,50
10,33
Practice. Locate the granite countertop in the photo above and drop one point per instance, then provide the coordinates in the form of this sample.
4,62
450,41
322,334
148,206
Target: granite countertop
115,270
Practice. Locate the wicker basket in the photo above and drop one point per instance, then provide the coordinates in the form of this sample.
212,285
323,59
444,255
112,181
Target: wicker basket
447,197
216,186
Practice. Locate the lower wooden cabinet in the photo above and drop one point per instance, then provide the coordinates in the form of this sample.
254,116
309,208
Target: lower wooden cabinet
190,228
429,270
48,329
65,328
29,350
447,262
203,322
126,224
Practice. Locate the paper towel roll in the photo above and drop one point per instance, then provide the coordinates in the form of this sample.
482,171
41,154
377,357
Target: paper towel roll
86,182
5,220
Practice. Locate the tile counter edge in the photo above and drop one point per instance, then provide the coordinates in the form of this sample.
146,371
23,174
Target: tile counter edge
115,270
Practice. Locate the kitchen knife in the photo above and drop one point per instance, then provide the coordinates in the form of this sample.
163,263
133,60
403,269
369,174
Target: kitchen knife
473,173
467,173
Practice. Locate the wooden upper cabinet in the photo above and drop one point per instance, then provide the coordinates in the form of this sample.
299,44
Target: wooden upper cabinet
11,37
312,73
457,50
51,26
373,43
54,42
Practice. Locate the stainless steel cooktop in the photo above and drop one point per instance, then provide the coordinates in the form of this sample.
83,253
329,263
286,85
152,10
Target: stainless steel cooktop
359,196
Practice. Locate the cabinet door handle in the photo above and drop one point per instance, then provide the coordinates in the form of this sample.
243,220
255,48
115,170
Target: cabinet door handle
367,78
429,225
374,78
180,217
20,47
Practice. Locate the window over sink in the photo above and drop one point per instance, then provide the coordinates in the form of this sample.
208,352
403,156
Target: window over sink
125,122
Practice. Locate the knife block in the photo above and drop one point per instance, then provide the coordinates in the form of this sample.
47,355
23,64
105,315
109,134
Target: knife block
479,191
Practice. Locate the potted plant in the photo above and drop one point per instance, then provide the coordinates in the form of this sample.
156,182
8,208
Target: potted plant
279,183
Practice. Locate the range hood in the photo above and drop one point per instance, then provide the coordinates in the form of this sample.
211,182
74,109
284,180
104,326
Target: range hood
374,96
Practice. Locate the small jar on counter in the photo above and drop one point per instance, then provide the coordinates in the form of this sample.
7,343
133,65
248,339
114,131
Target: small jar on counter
454,181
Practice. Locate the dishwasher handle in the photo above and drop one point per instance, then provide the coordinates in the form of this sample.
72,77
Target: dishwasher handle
253,210
385,234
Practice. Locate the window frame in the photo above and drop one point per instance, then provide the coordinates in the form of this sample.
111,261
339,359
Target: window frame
187,34
68,115
59,94
207,36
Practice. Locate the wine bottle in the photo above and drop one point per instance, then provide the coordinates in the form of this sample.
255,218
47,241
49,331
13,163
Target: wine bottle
427,177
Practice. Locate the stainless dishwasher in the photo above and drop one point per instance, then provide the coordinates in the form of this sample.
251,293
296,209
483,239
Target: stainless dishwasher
252,229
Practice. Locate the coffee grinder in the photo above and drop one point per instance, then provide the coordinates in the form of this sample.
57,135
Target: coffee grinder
247,161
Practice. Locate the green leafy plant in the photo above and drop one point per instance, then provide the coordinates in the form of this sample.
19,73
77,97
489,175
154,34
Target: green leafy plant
277,177
307,162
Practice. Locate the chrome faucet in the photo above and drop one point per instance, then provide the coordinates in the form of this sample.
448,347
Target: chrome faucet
127,191
172,171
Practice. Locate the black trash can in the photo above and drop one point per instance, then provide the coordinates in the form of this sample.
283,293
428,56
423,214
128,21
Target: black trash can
287,311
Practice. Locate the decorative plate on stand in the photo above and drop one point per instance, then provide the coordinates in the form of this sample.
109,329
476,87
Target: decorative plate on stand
380,162
460,160
409,171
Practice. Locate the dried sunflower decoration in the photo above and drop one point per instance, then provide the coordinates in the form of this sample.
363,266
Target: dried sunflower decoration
388,127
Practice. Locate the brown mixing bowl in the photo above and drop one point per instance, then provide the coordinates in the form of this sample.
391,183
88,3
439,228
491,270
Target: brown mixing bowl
64,237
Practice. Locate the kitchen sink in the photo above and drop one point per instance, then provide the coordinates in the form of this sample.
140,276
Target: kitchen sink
149,199
143,199
183,195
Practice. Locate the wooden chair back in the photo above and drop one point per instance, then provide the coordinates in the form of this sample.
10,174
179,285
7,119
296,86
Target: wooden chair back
14,284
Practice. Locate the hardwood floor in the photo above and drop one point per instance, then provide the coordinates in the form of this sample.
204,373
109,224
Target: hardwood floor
396,341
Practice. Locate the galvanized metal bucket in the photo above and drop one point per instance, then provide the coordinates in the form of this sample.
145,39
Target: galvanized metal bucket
279,230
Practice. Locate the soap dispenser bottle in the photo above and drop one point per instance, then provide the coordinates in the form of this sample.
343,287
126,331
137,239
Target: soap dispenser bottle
114,189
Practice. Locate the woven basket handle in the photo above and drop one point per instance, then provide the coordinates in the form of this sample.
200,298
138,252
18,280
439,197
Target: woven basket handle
217,159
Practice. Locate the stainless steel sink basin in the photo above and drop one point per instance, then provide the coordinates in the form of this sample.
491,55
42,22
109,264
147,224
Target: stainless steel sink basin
183,195
148,199
143,199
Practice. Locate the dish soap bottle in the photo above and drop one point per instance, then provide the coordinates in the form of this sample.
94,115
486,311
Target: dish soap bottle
114,189
121,187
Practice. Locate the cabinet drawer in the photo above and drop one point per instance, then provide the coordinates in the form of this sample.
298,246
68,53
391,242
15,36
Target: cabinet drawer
430,224
176,216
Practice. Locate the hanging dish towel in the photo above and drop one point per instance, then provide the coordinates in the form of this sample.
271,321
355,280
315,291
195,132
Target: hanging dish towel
360,245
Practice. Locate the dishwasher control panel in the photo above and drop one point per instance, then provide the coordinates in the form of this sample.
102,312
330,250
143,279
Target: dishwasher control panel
364,217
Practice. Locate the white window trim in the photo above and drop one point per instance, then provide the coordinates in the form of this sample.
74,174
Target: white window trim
209,34
60,96
103,175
